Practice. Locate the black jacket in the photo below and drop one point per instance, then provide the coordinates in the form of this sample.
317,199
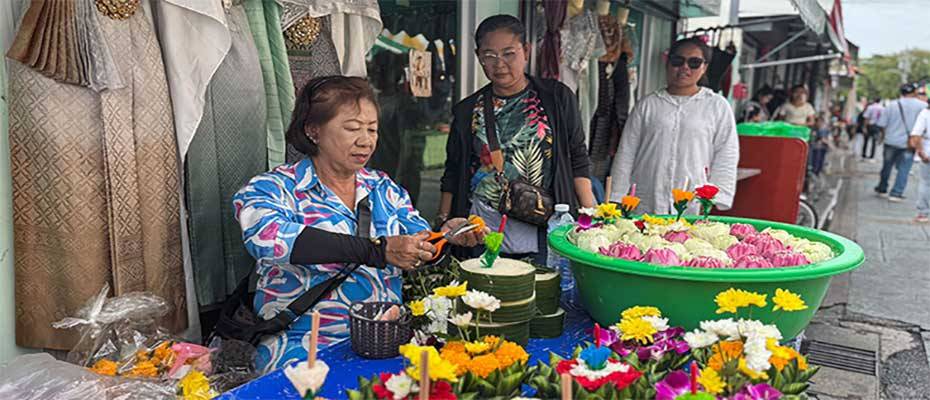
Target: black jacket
570,157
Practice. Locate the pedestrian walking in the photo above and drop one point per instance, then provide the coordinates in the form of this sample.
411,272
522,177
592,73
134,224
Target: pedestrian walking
870,121
920,141
897,122
820,144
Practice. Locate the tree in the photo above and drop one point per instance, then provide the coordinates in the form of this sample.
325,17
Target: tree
882,75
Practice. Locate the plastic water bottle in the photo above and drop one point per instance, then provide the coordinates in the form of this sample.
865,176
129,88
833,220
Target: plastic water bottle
557,262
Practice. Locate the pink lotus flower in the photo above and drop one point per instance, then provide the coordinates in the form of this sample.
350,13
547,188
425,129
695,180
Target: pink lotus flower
661,257
764,243
676,237
787,258
752,262
622,251
706,262
741,231
739,250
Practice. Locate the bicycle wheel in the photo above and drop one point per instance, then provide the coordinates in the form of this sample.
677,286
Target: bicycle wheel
807,215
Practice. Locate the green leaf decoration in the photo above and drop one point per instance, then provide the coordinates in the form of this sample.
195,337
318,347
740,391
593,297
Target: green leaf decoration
355,395
492,243
528,161
795,388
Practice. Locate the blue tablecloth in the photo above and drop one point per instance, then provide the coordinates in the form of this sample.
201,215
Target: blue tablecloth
345,366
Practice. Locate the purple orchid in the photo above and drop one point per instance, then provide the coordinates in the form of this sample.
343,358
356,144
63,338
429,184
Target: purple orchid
675,384
663,342
606,336
761,391
585,221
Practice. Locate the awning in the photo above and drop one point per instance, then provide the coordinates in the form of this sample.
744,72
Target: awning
811,13
835,29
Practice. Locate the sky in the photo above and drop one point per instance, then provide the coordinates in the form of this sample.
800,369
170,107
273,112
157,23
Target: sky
887,26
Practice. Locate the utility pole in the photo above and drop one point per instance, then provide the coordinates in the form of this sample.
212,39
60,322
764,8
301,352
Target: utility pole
904,65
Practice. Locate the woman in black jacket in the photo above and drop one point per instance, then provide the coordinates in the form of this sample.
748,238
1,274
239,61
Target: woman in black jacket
538,127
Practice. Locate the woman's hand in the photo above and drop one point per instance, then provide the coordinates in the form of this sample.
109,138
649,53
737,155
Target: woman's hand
467,239
409,251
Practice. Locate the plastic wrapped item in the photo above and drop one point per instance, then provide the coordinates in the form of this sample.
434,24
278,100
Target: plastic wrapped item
41,377
233,363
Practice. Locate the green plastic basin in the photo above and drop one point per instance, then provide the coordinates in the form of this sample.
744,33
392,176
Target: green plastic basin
608,285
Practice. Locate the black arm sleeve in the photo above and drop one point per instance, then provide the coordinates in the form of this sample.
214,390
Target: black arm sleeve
316,246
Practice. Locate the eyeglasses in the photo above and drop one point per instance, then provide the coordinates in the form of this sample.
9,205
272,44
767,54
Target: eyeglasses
693,62
491,59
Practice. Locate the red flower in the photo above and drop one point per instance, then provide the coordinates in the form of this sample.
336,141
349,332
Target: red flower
640,224
620,380
380,390
441,390
707,192
485,156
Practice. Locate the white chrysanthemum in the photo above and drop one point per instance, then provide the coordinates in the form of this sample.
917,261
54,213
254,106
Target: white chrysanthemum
750,327
724,242
306,379
461,320
594,243
481,301
699,339
757,354
725,328
709,230
401,386
694,244
647,242
659,323
713,253
780,235
814,251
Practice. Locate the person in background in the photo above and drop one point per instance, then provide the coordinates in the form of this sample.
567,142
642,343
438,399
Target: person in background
897,122
538,126
922,92
335,124
756,110
920,140
797,111
870,121
820,144
681,133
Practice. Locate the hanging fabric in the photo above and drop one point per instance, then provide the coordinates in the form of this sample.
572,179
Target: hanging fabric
95,182
265,25
551,51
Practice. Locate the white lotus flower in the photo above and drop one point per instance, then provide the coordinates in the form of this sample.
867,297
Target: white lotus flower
699,339
461,320
306,379
726,328
481,301
401,386
659,323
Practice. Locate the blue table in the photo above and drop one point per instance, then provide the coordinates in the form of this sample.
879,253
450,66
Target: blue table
345,366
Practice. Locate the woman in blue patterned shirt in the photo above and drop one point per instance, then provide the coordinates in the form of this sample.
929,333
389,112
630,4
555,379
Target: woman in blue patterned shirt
335,123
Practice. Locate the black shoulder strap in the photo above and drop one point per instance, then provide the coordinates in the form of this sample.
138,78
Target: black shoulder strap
903,118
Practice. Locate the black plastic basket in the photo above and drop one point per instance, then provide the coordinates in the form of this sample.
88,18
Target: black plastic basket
372,338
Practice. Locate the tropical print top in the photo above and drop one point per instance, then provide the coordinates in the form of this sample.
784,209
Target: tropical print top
274,207
526,142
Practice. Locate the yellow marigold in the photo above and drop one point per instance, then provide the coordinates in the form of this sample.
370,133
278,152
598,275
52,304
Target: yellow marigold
196,386
679,195
104,367
145,369
476,220
142,355
451,290
483,365
724,352
417,307
438,367
509,353
636,329
750,373
710,380
655,220
476,347
459,358
629,202
640,311
731,300
492,340
785,300
607,210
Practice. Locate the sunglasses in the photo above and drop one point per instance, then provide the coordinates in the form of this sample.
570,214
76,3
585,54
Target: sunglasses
693,62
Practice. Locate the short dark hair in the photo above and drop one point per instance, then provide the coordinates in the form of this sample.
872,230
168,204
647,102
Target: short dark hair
765,90
319,102
802,87
692,41
877,99
505,22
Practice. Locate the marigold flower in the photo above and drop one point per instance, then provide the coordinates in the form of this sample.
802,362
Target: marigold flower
145,369
476,220
679,195
195,385
607,211
452,290
483,365
710,380
492,340
723,352
417,307
636,329
456,346
105,367
476,347
629,203
459,358
655,220
509,353
785,300
733,299
640,311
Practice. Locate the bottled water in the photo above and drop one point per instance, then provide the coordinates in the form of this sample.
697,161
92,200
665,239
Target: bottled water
557,262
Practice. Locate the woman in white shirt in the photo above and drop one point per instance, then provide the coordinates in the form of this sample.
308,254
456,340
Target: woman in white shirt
920,140
681,133
797,111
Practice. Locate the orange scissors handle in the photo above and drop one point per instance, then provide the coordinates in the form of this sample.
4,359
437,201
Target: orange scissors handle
438,240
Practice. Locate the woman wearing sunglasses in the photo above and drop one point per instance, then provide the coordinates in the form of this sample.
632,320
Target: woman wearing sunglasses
682,133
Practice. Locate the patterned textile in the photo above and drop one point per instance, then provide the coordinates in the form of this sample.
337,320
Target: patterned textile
225,153
95,179
274,208
320,60
265,25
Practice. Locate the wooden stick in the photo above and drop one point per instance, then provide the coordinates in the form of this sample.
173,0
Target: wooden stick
566,387
633,190
687,182
424,375
607,186
314,337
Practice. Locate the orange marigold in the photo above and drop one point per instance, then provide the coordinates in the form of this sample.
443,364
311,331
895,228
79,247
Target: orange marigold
483,365
509,353
459,358
104,367
142,355
491,340
724,352
455,346
144,369
679,195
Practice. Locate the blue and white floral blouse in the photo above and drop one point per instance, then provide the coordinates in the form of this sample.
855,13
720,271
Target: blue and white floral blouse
273,208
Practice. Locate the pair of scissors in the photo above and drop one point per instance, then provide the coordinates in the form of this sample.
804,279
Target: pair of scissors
439,240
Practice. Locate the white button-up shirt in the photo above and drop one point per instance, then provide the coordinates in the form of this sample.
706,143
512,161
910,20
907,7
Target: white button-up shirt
670,139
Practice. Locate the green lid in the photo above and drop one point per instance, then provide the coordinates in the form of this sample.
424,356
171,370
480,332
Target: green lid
773,129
